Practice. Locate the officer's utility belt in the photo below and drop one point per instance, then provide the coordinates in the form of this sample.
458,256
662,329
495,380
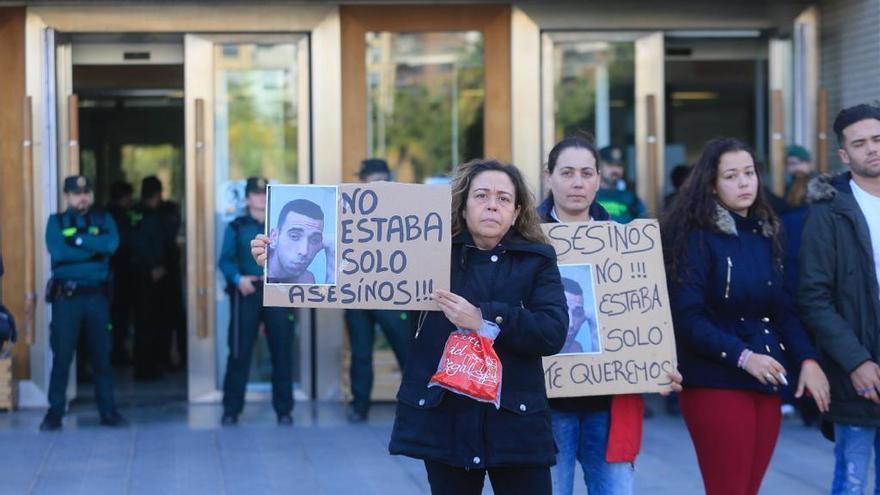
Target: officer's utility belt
57,290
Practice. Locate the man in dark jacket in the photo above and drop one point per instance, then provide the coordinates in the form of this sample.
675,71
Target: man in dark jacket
148,255
838,292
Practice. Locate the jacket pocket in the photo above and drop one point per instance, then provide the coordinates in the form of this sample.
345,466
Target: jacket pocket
420,396
523,403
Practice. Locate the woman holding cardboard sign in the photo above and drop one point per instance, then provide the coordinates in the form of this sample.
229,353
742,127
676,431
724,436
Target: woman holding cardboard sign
603,433
735,325
505,286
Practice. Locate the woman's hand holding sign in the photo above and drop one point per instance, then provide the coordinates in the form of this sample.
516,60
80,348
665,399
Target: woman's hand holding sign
259,249
458,310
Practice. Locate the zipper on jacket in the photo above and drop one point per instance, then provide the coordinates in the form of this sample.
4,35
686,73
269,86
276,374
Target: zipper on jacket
423,315
727,287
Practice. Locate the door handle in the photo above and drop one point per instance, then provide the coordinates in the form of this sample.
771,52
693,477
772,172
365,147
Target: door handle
652,155
73,134
202,330
30,296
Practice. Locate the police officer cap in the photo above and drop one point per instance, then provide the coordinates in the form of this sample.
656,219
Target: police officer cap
611,155
78,184
255,185
798,152
372,166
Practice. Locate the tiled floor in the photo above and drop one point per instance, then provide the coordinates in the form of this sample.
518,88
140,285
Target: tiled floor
178,448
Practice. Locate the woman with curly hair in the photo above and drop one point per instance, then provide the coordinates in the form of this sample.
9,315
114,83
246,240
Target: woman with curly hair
735,324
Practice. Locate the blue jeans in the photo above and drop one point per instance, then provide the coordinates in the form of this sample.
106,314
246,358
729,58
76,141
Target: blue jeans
583,437
852,458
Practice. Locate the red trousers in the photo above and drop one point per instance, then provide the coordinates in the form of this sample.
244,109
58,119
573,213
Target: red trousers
734,433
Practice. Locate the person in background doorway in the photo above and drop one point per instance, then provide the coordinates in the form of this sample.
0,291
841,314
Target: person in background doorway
361,324
799,170
148,257
121,194
244,279
172,337
839,294
677,177
735,324
622,204
81,241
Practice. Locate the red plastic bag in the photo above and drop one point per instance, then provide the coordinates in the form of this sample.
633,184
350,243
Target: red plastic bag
470,367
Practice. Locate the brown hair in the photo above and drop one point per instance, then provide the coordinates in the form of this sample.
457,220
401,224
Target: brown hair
695,206
527,223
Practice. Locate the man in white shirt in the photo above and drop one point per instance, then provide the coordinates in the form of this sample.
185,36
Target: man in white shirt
839,296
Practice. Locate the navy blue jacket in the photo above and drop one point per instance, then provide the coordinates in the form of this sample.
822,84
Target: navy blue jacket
793,224
517,286
597,212
727,297
149,236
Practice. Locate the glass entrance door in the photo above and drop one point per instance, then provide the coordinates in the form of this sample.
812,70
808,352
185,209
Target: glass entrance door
610,86
247,115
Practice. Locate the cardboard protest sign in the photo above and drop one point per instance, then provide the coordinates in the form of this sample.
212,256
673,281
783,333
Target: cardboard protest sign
381,245
620,338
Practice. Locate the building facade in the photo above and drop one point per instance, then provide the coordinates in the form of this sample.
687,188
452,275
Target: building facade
205,94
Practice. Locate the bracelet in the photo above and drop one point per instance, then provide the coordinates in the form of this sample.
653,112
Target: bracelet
744,358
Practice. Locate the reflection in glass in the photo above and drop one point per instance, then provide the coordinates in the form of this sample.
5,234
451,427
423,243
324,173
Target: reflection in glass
425,96
256,112
594,89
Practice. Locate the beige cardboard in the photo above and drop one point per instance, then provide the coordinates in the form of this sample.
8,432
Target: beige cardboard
634,318
414,251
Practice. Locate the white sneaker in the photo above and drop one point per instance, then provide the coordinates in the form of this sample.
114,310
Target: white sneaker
787,410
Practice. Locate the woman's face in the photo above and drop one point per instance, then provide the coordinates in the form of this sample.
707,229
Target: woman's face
737,183
574,181
491,208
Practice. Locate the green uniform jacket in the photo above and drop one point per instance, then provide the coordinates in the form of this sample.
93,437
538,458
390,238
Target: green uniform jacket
235,256
81,245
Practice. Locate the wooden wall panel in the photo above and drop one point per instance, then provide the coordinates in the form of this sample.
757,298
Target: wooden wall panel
13,225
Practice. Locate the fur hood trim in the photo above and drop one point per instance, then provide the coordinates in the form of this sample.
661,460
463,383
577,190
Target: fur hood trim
726,224
823,188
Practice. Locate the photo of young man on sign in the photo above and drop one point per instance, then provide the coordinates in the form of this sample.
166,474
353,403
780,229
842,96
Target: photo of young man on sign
583,327
302,234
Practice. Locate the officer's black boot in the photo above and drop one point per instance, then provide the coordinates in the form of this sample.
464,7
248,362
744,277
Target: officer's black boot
51,422
285,419
229,419
356,414
113,420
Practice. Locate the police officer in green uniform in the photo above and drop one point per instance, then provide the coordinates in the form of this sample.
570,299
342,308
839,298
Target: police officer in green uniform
80,242
396,325
148,251
244,280
614,195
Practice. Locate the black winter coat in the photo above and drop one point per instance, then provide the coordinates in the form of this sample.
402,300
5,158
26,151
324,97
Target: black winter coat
838,294
517,286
